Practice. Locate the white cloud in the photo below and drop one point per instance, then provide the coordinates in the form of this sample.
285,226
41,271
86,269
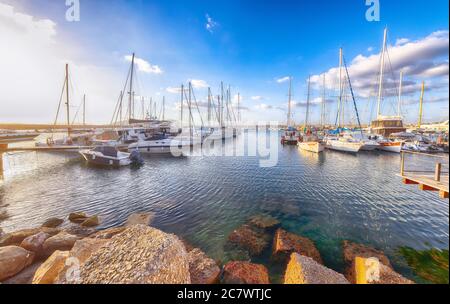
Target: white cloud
283,79
174,90
199,84
401,41
144,66
263,106
210,24
370,49
427,57
33,57
257,98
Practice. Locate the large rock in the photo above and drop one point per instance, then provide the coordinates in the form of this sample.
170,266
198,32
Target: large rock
35,243
1,232
140,219
203,269
285,243
53,222
15,238
353,250
79,231
372,271
92,221
80,253
139,255
251,239
13,259
304,270
49,271
25,276
77,217
265,222
239,272
63,241
107,233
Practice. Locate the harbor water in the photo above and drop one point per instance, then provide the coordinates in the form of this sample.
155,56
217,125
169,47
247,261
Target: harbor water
329,198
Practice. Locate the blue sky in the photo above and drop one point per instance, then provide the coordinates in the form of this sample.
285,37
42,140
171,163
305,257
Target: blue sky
248,45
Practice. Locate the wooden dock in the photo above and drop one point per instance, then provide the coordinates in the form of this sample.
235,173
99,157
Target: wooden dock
427,180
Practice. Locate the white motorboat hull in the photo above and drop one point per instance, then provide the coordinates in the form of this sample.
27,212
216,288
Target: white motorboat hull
314,147
164,146
123,159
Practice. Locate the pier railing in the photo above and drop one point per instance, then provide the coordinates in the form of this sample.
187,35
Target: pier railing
428,175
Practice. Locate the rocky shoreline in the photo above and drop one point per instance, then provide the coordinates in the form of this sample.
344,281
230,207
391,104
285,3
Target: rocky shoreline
137,253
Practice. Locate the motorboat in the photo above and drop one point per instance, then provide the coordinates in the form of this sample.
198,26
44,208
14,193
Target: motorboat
109,156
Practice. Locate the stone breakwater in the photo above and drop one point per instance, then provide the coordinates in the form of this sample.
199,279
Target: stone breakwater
137,253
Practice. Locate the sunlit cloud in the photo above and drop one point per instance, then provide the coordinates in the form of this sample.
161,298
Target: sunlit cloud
144,66
283,79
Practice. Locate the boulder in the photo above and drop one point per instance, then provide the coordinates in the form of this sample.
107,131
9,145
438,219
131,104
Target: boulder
285,243
139,255
239,272
25,276
140,219
203,269
35,243
92,221
49,271
1,232
53,222
352,250
81,232
251,239
265,222
372,271
304,270
107,233
80,253
63,241
77,217
15,238
13,259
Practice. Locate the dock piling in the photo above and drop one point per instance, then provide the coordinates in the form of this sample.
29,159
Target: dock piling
437,172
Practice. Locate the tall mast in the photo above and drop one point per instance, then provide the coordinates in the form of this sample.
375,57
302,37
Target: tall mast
190,113
221,104
209,106
143,108
164,109
399,110
239,107
380,85
307,103
182,102
67,100
338,117
289,103
84,109
322,116
131,99
419,124
120,107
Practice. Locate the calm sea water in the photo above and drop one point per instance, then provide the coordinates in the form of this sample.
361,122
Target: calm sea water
328,198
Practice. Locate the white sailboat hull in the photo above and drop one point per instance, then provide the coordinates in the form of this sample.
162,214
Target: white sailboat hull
344,146
314,147
391,147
